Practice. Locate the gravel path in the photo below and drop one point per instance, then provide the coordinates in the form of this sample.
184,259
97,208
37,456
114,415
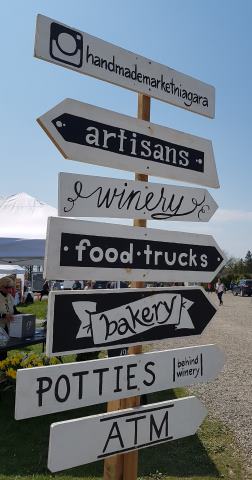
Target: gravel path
229,397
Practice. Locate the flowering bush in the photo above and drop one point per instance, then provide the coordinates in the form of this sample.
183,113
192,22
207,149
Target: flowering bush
9,366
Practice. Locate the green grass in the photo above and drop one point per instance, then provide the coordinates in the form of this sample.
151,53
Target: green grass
209,455
37,308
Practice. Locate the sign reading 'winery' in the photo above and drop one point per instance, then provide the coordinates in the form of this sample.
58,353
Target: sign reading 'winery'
107,319
89,196
90,134
84,440
76,249
79,51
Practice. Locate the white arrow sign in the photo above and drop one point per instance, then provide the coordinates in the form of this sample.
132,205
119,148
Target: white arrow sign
56,388
79,51
85,440
76,249
89,196
90,134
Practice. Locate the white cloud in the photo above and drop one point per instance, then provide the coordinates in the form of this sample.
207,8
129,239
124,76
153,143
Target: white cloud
223,215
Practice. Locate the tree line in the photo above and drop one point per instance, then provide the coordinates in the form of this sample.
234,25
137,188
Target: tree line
236,269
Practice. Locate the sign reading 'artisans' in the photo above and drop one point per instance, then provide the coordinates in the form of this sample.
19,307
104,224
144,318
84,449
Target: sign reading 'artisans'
71,48
90,134
80,441
77,249
107,319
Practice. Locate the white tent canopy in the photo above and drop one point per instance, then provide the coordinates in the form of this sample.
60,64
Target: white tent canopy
23,222
11,269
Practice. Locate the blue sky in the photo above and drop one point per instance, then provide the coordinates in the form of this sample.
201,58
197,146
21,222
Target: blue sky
209,40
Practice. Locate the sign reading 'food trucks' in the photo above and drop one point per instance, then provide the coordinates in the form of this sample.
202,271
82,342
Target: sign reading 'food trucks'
90,134
76,249
106,319
71,48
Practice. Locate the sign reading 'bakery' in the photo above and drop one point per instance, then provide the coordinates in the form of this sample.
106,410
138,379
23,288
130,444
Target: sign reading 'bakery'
107,319
79,51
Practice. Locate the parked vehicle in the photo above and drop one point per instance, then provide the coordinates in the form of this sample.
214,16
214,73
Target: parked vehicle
243,287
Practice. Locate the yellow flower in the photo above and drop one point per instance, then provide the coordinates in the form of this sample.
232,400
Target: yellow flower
54,361
2,365
11,373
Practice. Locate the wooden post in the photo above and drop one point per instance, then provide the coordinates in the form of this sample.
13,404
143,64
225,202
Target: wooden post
130,463
113,466
124,466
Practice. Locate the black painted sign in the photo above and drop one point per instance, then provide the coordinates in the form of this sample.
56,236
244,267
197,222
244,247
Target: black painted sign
90,134
105,251
105,319
84,131
77,249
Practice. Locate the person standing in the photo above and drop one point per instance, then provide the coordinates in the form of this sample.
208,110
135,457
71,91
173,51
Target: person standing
77,285
7,307
220,289
45,290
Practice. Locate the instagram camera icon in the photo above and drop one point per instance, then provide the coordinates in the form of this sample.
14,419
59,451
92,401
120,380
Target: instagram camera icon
66,45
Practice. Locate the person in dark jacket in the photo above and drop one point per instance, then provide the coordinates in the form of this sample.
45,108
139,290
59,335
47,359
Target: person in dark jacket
77,285
45,290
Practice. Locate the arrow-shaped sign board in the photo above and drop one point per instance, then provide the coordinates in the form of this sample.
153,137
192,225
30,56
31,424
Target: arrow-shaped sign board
77,249
90,196
56,388
79,51
106,319
85,440
90,134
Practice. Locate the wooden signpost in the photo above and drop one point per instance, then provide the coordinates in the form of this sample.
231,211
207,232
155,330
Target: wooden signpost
87,250
90,196
76,249
79,51
57,388
106,319
84,440
90,134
